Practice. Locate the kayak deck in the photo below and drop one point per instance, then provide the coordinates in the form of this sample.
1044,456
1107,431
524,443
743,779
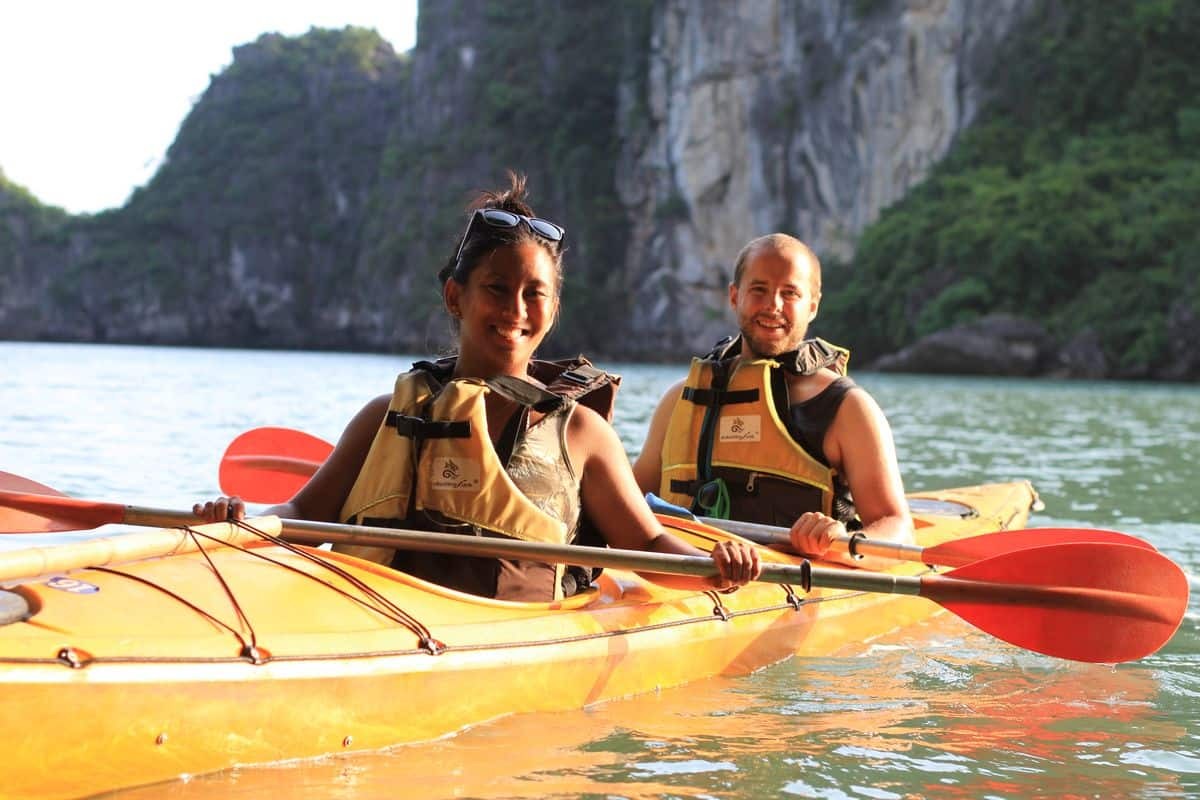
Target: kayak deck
194,663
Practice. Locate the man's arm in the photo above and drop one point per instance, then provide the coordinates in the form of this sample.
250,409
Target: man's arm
648,467
859,445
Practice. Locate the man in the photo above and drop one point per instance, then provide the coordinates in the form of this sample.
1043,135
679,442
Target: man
766,428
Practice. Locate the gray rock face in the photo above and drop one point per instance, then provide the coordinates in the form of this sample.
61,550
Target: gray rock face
998,344
1184,330
802,117
1082,357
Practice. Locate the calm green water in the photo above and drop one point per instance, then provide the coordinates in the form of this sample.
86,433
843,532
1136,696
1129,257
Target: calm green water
936,711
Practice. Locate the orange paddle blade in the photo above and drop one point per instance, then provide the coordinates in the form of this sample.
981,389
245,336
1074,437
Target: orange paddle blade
28,512
1086,601
16,517
269,465
16,483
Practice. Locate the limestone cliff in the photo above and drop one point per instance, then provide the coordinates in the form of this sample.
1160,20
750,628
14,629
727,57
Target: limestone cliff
805,117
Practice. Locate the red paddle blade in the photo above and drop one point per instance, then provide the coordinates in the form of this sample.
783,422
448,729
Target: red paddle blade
26,512
989,545
15,483
269,465
1086,601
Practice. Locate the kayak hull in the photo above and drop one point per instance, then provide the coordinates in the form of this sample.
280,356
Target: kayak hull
165,670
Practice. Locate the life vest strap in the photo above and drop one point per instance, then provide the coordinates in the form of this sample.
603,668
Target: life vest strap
524,393
685,487
710,497
719,397
419,429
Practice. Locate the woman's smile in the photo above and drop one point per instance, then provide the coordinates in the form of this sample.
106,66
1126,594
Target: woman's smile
510,333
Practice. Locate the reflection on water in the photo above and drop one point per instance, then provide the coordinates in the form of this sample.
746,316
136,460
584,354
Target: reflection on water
933,712
937,711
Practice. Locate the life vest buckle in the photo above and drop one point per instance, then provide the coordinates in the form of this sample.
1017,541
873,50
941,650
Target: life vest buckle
577,377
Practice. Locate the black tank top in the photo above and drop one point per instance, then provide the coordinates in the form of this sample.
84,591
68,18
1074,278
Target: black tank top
808,422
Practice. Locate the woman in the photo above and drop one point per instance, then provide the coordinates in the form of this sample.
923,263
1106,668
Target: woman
477,444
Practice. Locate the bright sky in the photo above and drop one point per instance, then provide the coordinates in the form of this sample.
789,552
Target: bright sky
93,93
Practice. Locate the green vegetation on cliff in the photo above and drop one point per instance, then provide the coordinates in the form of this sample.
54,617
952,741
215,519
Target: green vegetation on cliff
258,208
27,226
1074,200
25,211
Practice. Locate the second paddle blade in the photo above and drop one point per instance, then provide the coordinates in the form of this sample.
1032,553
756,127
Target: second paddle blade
269,465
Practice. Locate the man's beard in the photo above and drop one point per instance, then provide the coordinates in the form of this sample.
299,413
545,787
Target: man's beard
773,347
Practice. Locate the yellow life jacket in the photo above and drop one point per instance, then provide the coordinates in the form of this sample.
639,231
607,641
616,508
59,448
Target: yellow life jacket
433,465
727,450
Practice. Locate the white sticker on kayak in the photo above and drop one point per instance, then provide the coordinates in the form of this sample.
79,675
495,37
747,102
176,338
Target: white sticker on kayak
740,428
454,474
72,585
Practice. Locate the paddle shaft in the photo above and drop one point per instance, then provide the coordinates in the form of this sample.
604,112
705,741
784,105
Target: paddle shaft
93,553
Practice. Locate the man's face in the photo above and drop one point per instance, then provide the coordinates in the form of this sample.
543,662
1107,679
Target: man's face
774,302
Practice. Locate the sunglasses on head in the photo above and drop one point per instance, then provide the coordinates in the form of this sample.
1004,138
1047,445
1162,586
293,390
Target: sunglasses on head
499,218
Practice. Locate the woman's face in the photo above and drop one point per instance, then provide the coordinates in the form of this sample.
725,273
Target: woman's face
506,307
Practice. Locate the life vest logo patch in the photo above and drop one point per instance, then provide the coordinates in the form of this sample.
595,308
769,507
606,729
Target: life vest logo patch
740,428
455,475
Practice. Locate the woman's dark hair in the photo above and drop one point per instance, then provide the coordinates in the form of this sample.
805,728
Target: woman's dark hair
485,238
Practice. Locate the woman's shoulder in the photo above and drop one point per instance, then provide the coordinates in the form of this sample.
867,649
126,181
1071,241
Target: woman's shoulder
588,428
377,405
371,415
583,418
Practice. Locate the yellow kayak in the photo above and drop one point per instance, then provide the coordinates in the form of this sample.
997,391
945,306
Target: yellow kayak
142,672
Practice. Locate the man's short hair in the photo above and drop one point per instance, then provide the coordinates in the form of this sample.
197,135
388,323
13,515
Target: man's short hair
784,245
